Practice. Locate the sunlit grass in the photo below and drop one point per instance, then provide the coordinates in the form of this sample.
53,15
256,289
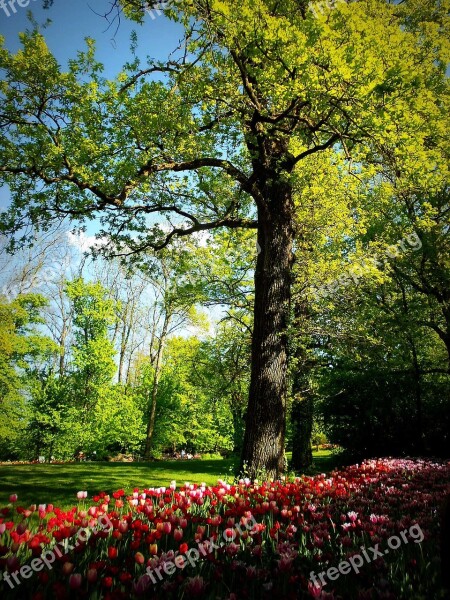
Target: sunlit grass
58,484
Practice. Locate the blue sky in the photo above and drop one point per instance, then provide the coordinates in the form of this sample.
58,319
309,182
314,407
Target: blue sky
73,21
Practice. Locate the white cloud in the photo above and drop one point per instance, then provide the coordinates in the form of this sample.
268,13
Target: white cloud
84,242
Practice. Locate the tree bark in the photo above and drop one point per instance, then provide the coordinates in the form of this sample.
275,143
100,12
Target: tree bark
264,440
303,401
302,421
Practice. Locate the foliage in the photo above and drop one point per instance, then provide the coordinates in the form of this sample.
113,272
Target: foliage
186,415
23,352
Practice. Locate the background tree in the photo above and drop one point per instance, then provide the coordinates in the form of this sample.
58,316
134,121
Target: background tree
23,352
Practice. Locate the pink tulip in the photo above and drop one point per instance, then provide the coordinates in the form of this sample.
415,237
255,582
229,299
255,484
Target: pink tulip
167,527
13,498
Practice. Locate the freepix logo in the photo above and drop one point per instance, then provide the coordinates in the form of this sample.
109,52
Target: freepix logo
10,6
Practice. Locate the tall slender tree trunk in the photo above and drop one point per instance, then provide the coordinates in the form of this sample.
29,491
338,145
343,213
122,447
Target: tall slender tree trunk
264,440
154,390
236,412
302,422
303,401
418,392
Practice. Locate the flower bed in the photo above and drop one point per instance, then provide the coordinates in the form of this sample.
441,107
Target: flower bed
248,540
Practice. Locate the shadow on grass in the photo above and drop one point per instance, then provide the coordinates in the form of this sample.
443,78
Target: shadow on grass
325,462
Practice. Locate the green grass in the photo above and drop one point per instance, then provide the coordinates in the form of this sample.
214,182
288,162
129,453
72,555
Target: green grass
58,484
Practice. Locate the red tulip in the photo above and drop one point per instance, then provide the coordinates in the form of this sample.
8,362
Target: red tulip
75,581
123,526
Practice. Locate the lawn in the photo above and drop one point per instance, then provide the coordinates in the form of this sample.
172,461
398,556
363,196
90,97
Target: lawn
58,484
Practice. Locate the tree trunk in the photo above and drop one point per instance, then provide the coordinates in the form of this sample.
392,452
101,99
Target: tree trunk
154,391
236,412
420,437
263,447
303,401
302,422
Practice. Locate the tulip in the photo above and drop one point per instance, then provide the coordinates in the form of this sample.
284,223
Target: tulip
232,549
92,575
123,526
153,549
75,581
12,564
141,586
195,585
13,498
67,568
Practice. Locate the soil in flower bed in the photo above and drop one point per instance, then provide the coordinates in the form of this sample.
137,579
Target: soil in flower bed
285,539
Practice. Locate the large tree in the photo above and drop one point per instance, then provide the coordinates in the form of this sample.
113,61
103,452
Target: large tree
213,137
